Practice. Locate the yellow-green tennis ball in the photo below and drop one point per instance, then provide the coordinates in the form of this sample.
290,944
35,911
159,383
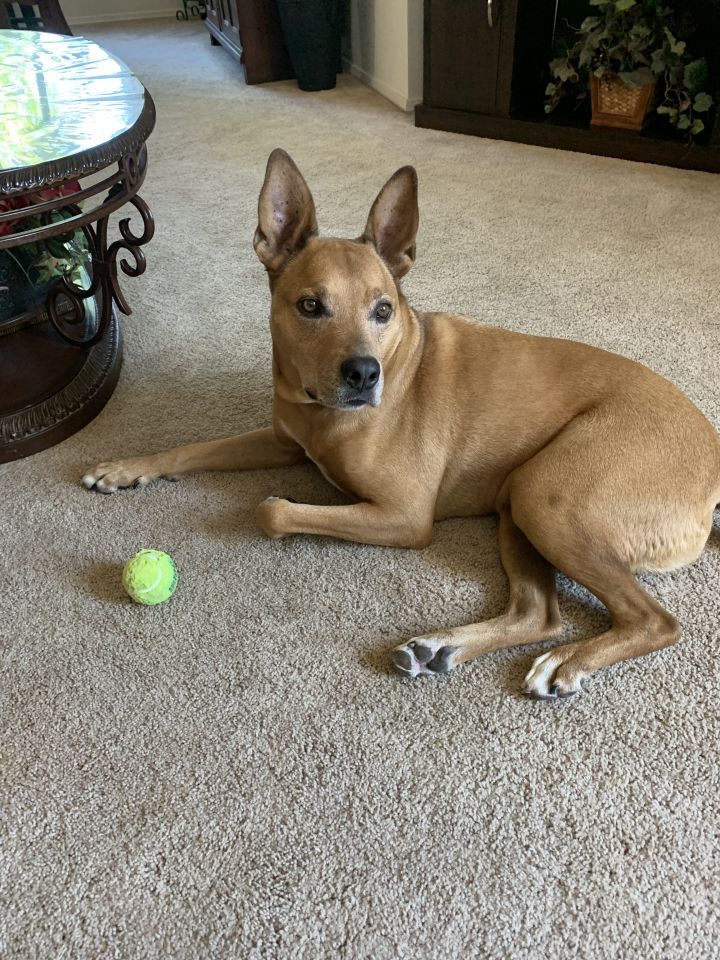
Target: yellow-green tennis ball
150,577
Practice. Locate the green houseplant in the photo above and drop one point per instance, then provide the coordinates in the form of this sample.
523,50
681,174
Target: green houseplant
634,44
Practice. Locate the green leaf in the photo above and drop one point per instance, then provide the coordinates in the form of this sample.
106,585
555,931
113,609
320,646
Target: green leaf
599,72
670,111
636,78
589,23
550,89
585,57
702,102
695,76
697,127
549,108
57,249
676,46
624,4
562,69
684,122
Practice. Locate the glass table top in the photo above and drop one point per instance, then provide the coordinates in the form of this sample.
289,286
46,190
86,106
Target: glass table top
60,96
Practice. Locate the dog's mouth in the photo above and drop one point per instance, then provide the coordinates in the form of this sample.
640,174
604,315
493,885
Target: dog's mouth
344,402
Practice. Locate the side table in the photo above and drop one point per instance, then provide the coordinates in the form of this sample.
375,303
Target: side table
72,152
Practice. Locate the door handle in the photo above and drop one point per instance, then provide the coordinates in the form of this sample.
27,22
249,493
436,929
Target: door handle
491,13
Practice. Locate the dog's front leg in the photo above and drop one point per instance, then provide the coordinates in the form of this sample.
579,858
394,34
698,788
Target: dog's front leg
384,525
260,449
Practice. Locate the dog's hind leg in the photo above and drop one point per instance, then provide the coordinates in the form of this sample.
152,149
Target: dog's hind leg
531,615
640,626
587,550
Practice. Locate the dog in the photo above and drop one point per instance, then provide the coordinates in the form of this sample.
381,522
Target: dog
595,465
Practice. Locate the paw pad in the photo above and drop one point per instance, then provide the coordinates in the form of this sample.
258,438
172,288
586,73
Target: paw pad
424,657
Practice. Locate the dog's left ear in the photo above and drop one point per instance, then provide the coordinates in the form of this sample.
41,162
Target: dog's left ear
393,221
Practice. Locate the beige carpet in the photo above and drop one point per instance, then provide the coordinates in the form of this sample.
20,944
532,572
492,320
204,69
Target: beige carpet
237,774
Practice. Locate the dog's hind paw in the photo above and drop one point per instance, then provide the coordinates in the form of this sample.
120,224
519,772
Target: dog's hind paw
423,657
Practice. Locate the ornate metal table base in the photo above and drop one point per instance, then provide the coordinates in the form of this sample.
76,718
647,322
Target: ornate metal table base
76,156
71,343
84,379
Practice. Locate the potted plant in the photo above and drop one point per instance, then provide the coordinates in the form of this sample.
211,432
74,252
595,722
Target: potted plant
622,52
312,31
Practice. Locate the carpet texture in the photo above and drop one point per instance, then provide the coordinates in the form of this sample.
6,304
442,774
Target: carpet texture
237,773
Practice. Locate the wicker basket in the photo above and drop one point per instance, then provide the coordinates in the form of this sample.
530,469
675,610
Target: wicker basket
617,104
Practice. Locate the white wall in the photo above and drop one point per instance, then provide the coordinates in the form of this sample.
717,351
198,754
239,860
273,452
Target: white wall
386,38
98,11
384,51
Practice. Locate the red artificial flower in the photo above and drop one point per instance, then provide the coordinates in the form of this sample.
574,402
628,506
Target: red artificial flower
6,205
18,203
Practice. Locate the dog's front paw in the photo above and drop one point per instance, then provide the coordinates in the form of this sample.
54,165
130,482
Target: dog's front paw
424,657
273,516
111,477
555,674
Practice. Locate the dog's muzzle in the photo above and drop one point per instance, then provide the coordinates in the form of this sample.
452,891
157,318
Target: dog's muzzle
362,382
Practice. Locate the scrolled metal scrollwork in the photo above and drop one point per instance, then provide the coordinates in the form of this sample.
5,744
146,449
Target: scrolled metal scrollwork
66,301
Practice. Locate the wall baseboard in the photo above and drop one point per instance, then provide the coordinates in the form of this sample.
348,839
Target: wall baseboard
121,17
394,96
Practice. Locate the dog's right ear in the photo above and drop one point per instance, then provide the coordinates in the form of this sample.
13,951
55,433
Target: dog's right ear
286,213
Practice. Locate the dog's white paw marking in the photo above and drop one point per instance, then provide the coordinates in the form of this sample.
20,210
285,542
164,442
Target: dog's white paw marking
111,477
89,481
424,657
552,675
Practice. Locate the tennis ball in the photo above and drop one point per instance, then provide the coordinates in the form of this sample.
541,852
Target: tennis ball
150,577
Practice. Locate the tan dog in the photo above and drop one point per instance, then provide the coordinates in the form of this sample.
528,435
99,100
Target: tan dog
596,466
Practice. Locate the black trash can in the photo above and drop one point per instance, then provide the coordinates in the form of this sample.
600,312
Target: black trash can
312,31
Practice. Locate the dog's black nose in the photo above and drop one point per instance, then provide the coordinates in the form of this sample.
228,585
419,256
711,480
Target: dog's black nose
360,373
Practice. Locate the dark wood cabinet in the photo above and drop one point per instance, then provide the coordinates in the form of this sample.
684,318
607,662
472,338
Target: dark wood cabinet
250,31
461,69
477,57
228,18
485,73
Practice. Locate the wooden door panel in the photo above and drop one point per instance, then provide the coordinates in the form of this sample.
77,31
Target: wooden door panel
463,56
250,30
264,54
229,24
213,15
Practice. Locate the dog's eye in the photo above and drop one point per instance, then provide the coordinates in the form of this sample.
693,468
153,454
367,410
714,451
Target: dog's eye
383,312
309,306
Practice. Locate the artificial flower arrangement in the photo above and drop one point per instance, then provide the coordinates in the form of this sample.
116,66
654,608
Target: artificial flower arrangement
41,261
636,43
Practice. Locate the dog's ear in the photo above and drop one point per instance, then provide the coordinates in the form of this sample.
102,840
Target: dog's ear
286,213
393,221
